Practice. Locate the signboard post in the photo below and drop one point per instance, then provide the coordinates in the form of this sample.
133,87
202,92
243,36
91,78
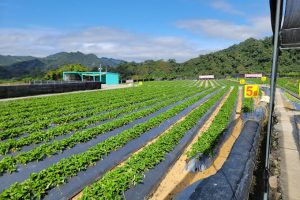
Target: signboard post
251,91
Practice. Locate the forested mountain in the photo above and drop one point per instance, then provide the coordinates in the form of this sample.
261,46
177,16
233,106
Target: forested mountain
27,66
89,60
149,69
30,68
250,56
9,60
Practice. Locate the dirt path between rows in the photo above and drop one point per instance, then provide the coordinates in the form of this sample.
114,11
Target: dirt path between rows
177,178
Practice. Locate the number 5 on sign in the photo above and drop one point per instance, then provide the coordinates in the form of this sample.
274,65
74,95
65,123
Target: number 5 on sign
251,91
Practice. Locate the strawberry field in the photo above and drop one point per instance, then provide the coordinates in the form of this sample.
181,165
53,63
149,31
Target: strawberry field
104,144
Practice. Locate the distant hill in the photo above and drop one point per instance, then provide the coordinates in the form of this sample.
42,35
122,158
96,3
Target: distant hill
28,66
9,60
80,58
250,56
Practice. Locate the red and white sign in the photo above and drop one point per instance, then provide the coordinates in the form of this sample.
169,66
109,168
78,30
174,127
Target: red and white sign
253,75
206,76
129,81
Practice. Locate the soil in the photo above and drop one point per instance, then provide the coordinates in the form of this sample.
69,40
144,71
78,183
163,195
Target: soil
257,184
275,164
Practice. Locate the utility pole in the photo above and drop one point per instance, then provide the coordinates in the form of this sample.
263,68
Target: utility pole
100,69
272,97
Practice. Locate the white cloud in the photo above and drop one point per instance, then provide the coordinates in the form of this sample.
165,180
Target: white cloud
102,41
121,44
257,27
225,7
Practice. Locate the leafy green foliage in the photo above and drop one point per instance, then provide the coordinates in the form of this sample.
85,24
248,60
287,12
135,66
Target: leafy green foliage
248,104
132,171
149,70
57,73
207,141
83,136
290,84
38,183
250,56
69,114
292,98
44,136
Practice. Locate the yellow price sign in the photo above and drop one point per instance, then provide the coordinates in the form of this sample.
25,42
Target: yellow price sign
263,78
251,91
299,89
242,81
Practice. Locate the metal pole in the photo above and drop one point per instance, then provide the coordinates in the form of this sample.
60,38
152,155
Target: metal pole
100,73
272,96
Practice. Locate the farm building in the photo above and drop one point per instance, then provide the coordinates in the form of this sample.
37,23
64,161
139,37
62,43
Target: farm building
108,78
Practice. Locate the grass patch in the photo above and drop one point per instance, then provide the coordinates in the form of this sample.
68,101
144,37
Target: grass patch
292,98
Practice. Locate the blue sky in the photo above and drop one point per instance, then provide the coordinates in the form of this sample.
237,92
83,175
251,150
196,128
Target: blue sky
129,29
